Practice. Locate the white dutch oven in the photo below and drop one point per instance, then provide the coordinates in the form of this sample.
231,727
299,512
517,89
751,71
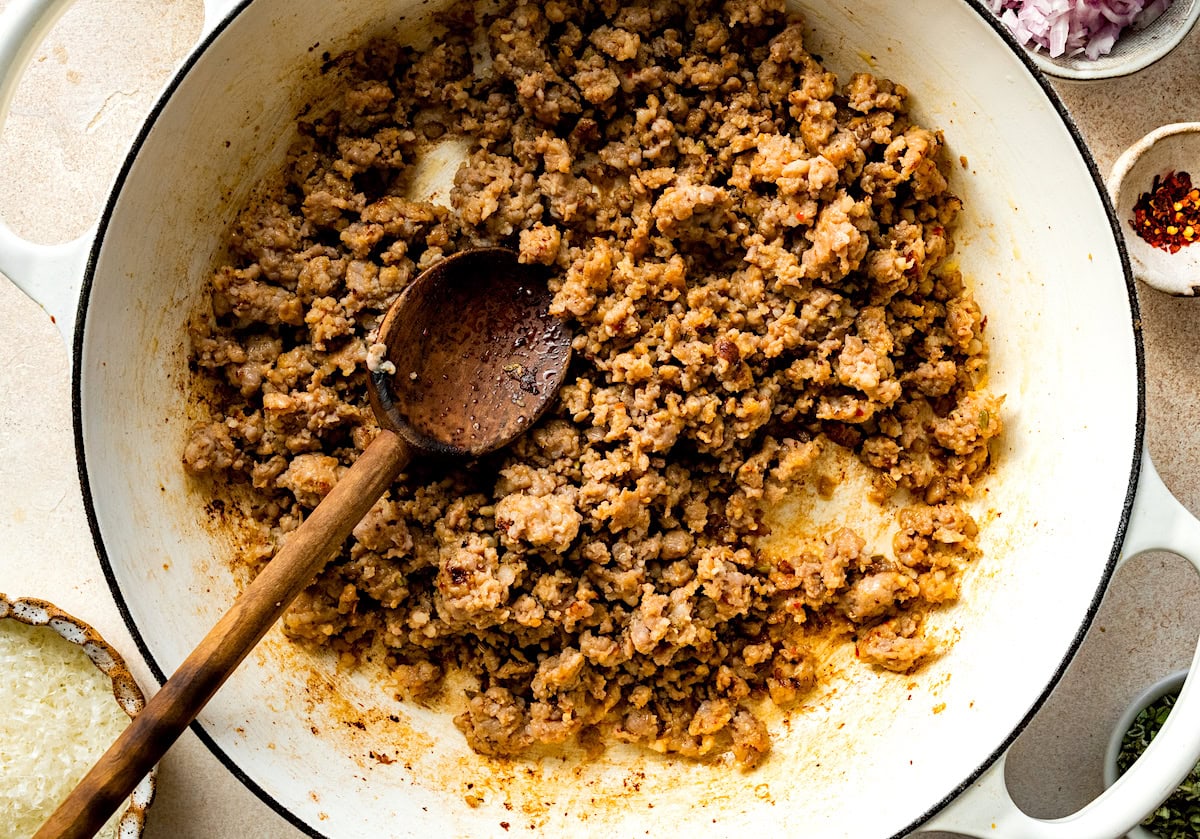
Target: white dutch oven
876,755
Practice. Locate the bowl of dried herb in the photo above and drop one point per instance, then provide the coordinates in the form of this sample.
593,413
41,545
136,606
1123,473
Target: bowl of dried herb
1178,817
1155,189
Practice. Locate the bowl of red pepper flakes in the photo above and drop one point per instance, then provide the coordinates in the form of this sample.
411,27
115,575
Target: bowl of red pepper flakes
1155,189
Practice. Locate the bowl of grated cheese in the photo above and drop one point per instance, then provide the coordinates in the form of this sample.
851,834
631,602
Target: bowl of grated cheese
65,695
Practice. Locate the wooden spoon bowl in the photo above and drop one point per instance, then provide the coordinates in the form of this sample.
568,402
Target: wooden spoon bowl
473,311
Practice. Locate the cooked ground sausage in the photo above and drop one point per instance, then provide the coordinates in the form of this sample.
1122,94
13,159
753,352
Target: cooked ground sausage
753,256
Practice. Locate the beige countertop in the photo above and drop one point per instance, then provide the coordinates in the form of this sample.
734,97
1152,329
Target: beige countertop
95,78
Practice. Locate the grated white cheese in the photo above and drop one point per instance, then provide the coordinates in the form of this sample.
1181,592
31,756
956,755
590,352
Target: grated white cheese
57,716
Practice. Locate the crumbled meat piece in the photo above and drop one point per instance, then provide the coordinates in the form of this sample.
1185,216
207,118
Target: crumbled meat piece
310,477
550,521
472,584
540,244
974,421
210,448
877,594
751,741
496,723
792,676
895,645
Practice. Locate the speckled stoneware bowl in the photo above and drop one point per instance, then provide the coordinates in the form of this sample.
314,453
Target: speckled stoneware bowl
1137,48
125,690
1169,684
1171,148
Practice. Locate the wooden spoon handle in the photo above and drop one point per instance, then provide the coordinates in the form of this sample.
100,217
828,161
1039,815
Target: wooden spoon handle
177,703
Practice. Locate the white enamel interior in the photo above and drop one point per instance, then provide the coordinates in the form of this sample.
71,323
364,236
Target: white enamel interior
873,754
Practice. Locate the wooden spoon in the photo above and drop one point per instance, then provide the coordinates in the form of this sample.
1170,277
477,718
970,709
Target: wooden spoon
473,359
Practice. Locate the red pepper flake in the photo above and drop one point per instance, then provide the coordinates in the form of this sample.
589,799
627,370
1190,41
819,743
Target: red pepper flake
1168,216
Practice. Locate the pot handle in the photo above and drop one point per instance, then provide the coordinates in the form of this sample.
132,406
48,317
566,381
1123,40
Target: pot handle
1157,522
50,274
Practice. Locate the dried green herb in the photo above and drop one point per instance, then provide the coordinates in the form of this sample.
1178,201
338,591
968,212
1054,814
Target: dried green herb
1179,816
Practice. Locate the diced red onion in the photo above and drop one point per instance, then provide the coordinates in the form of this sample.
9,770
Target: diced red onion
1075,27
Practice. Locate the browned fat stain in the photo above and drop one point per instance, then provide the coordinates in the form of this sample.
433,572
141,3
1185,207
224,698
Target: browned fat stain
577,787
370,734
836,497
379,739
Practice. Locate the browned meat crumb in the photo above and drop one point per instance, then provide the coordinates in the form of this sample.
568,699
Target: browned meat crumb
753,256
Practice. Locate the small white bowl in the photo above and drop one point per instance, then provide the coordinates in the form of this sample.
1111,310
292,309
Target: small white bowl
1169,684
1138,47
1172,148
125,690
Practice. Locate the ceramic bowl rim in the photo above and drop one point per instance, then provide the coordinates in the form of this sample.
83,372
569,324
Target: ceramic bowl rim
1168,684
1051,67
1116,186
127,693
